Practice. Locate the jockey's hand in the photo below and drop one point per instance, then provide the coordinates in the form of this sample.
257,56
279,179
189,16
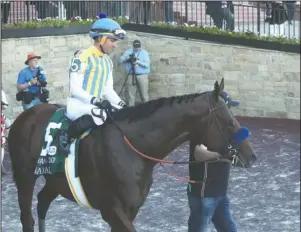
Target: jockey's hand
95,101
105,105
122,104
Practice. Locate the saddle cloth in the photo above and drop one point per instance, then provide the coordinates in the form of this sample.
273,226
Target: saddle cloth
55,157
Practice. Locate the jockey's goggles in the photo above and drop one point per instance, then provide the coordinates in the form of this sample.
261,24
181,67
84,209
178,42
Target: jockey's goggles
115,34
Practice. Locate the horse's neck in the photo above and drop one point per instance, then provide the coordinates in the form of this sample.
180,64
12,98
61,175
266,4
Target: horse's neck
167,129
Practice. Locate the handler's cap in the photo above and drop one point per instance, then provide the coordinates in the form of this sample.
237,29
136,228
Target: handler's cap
31,56
137,44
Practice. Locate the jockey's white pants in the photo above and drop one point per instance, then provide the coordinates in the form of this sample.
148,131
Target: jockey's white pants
77,108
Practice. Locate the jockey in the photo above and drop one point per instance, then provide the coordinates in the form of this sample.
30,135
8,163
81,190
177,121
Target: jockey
91,81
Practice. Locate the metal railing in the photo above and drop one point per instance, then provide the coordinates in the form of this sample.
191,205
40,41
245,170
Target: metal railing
256,17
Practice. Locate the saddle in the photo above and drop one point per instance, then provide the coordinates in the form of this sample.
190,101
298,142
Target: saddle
56,144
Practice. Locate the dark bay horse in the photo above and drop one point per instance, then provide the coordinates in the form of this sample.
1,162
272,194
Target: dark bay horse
115,178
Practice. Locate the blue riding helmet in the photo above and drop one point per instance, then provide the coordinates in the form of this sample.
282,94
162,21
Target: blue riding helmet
108,28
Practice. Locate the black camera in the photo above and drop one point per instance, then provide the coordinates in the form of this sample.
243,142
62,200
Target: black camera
39,76
44,97
132,58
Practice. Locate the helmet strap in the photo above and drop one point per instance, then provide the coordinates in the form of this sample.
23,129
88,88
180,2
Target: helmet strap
101,41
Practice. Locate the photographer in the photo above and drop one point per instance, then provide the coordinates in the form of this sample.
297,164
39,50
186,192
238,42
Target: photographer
31,83
137,63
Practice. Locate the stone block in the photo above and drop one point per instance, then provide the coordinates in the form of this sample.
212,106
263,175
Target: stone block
193,78
176,78
295,116
250,85
236,111
293,89
291,76
252,112
293,104
57,41
287,67
275,114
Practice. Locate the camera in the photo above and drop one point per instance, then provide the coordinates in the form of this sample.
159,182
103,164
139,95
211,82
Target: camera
132,58
39,75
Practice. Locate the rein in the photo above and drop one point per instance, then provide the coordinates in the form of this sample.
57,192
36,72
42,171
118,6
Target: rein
232,152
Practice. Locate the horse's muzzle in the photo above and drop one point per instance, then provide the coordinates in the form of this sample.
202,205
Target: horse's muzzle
250,163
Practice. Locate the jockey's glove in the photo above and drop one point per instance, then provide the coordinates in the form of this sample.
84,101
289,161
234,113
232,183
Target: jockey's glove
122,104
105,104
95,101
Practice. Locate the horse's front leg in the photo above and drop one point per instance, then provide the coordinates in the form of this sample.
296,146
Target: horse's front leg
116,216
121,223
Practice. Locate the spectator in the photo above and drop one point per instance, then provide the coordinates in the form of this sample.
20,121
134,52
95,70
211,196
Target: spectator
168,5
142,69
30,81
5,8
220,11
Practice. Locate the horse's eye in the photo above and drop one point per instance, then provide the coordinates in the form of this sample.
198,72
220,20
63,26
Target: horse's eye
231,123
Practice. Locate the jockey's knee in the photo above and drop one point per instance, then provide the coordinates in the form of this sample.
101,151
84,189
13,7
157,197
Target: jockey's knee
80,125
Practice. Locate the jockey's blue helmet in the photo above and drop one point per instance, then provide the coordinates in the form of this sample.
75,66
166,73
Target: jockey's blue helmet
106,28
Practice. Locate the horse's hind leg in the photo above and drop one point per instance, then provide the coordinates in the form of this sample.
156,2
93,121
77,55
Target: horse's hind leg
45,197
25,185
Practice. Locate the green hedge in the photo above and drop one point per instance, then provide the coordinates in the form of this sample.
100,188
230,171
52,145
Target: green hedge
217,31
48,22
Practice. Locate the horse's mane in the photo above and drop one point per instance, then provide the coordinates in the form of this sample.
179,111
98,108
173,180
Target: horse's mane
144,110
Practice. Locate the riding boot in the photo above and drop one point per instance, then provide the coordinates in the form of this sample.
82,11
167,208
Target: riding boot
79,126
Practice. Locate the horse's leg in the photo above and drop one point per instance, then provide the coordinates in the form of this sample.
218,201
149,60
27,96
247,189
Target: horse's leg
120,222
25,185
116,217
45,197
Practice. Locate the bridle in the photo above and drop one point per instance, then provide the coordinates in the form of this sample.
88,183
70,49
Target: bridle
231,150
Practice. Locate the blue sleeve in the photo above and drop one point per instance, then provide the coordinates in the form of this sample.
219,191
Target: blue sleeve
124,56
21,78
145,59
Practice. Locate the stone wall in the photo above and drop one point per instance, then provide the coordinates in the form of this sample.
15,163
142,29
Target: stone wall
267,83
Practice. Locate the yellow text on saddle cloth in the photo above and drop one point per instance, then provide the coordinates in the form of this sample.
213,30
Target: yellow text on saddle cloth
75,183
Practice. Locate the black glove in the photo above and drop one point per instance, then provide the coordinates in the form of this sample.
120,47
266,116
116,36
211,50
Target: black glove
95,101
106,105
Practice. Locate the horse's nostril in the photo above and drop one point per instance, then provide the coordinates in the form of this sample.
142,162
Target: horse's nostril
254,158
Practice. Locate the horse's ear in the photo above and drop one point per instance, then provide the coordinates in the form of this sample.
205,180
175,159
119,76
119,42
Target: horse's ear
222,85
216,91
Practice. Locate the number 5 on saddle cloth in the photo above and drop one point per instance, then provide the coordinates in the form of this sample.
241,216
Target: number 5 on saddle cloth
58,156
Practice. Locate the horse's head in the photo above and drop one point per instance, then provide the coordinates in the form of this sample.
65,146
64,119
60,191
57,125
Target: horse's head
222,130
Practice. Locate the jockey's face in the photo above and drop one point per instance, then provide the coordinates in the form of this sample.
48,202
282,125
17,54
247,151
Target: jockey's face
109,45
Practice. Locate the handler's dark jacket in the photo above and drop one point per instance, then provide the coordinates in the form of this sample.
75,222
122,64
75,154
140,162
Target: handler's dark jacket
216,176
